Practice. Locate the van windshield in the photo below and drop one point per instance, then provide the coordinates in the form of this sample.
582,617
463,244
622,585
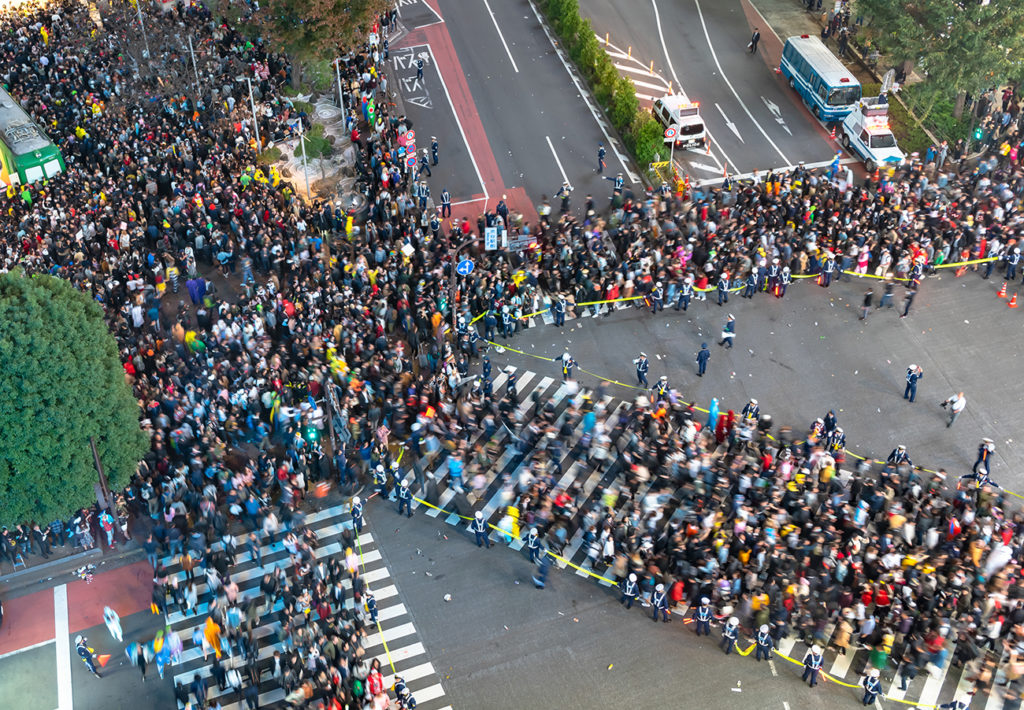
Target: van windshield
883,140
844,95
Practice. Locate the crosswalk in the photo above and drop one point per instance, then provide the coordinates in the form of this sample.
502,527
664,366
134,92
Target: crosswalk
601,484
396,628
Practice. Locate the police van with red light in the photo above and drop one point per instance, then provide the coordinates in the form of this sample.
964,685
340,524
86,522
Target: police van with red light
867,134
826,86
678,113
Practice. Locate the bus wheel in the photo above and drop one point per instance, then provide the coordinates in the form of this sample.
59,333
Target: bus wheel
792,83
816,111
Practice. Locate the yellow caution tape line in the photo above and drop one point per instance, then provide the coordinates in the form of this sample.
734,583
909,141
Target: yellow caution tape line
827,677
387,651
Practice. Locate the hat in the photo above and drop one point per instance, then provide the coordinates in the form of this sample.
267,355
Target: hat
764,628
664,377
732,317
632,577
643,354
479,515
380,468
660,588
405,484
753,401
78,639
874,673
533,531
733,621
355,500
816,649
705,600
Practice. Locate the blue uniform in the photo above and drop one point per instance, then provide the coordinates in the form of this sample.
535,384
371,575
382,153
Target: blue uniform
827,269
371,607
446,204
729,635
642,366
872,687
405,501
702,615
702,360
404,695
601,152
558,308
812,667
357,517
630,590
657,300
764,646
723,289
750,286
685,293
533,547
910,392
380,480
480,530
659,602
1011,266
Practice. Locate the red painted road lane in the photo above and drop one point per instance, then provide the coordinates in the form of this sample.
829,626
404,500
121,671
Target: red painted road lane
28,620
128,590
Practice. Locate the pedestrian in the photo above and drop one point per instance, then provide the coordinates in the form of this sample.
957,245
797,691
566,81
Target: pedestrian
872,687
887,290
728,332
730,632
543,566
914,373
255,552
199,689
642,366
86,654
865,305
533,545
908,299
601,165
113,622
137,657
723,288
956,403
405,499
754,39
419,68
703,355
357,514
812,665
685,294
702,616
478,526
630,591
765,643
659,604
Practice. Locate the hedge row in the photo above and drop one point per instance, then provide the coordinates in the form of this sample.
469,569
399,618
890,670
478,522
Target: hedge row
640,131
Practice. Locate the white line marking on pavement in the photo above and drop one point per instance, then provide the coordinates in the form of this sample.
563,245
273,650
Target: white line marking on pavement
679,84
560,168
728,83
62,634
730,124
441,19
764,23
503,42
633,177
649,85
784,169
26,648
785,705
458,123
642,71
771,664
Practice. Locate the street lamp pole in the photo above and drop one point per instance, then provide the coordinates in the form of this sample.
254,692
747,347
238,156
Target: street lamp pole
194,67
337,74
451,286
255,120
302,142
138,9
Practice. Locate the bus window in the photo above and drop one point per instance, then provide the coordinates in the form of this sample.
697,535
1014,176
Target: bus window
844,96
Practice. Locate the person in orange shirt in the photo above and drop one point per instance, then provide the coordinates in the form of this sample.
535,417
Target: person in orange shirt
212,634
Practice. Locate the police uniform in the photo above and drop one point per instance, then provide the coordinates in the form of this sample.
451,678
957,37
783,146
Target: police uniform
567,364
371,607
659,602
380,480
446,204
730,632
558,308
510,387
872,687
433,150
533,545
702,359
723,288
405,499
751,410
601,152
750,285
785,280
913,375
479,528
765,644
812,665
661,387
404,695
642,366
630,591
685,293
657,298
357,514
827,269
702,616
507,327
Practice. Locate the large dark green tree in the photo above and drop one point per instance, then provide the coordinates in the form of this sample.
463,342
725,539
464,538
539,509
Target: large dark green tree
60,383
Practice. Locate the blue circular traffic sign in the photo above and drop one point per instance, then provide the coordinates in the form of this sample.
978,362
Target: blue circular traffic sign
465,267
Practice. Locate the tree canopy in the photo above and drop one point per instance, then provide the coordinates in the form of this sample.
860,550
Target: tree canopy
60,383
963,46
317,27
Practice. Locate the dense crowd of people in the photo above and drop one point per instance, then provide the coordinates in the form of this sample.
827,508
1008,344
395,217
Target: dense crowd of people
284,314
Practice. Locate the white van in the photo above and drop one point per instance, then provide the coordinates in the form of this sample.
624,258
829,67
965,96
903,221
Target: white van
683,115
866,133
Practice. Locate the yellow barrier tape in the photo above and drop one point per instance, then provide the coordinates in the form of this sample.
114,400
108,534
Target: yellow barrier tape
478,318
827,677
614,382
584,303
585,571
968,263
505,347
747,652
387,651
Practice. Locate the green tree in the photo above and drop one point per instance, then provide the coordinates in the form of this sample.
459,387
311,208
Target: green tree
963,47
60,383
624,103
648,139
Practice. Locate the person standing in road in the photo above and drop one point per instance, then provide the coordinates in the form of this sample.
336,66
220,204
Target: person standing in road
908,300
630,591
113,622
812,665
540,579
765,643
433,150
601,152
723,288
865,306
479,528
702,359
872,687
956,404
659,602
730,632
914,373
642,366
728,332
86,654
702,615
405,499
558,308
754,39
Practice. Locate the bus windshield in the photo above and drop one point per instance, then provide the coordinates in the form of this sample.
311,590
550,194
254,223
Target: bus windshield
844,95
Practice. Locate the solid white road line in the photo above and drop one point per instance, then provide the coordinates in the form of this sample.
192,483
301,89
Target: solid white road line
679,84
560,168
503,42
633,177
458,123
26,648
62,633
728,83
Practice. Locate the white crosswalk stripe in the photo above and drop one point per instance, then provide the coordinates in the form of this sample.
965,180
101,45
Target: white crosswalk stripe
396,627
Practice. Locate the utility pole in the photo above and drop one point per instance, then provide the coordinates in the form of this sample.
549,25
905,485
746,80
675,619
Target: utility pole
194,68
138,10
255,120
302,142
451,286
108,499
337,74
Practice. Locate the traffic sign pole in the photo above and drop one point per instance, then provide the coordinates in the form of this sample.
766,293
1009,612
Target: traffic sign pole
670,132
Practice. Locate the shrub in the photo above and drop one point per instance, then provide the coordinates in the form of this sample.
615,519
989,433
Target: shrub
624,103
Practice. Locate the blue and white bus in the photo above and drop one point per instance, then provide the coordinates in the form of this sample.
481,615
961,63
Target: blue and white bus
825,85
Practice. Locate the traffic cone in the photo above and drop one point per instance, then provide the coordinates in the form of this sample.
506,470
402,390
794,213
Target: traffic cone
1002,291
103,659
963,270
1013,301
832,135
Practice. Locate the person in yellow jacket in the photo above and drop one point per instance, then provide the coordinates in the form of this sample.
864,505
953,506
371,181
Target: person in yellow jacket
211,632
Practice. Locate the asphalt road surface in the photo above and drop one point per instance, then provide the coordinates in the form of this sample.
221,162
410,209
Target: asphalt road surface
755,121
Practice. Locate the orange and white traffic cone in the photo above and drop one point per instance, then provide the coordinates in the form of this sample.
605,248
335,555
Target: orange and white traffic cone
961,271
1002,291
1013,301
832,135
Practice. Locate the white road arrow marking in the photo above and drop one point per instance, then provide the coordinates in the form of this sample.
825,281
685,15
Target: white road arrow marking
773,107
702,166
730,124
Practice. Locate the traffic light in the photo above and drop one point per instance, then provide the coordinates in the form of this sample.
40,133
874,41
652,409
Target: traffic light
978,133
312,434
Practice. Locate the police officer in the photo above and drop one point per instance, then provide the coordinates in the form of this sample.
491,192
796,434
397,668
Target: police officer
357,514
380,480
685,293
765,644
474,342
371,606
785,280
510,385
750,285
507,325
405,499
567,364
730,632
446,204
404,696
433,150
533,545
642,366
490,325
723,287
558,308
812,665
702,359
630,590
601,152
899,455
657,298
563,195
774,273
985,450
702,615
914,373
485,367
86,654
827,269
962,702
419,68
543,565
435,224
872,686
728,332
425,164
659,602
617,185
479,528
751,410
661,388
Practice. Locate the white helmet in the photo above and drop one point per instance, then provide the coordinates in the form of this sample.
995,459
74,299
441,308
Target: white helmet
875,673
1016,250
405,484
660,588
380,468
705,600
913,366
78,639
479,515
355,500
733,621
632,577
664,377
754,402
764,628
689,279
658,285
394,464
816,649
533,531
